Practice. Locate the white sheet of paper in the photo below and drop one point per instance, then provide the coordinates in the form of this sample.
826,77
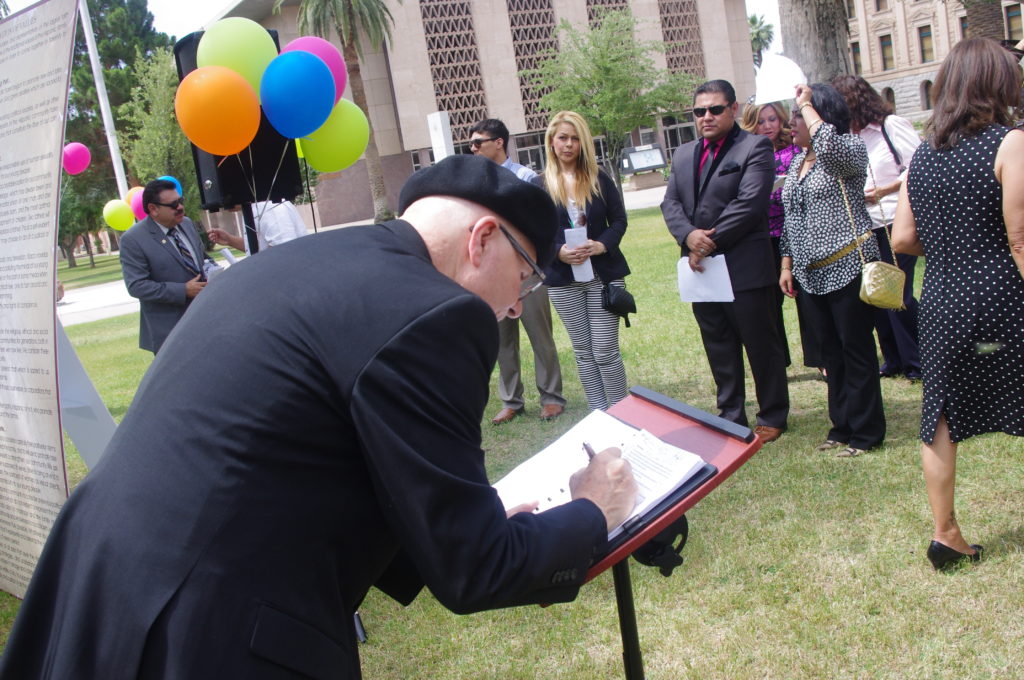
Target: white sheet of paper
711,285
574,238
779,181
659,467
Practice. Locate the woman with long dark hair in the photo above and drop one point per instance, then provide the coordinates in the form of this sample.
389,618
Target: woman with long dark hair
962,207
891,142
586,197
826,234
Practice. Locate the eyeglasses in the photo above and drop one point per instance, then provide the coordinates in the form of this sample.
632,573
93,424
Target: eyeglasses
532,282
480,141
716,110
173,204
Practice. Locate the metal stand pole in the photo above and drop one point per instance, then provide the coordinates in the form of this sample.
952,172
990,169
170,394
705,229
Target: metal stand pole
631,657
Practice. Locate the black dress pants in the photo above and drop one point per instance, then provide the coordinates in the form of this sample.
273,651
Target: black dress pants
727,328
844,326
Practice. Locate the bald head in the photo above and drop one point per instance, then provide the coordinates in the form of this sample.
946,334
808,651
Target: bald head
466,244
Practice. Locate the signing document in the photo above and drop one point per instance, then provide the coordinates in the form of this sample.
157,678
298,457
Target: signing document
574,238
711,285
659,467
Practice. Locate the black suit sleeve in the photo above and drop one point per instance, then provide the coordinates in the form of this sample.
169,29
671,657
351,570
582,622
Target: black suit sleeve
750,206
417,406
672,208
614,214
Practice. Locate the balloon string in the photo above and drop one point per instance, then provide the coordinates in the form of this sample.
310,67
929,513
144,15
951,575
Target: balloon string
309,193
280,162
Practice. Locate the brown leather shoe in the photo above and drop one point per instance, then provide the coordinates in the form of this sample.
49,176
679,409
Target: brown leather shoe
767,433
551,411
505,415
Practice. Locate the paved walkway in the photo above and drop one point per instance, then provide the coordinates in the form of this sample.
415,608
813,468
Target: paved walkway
111,299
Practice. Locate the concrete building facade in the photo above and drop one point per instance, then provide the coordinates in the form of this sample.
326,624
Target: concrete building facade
898,45
465,57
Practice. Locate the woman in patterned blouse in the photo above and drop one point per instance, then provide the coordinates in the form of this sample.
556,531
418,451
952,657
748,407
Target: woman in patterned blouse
824,229
772,121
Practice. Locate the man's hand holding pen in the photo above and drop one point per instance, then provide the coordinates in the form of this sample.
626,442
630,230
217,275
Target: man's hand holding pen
608,482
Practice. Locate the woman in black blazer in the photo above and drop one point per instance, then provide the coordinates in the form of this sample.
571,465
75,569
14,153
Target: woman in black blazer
586,197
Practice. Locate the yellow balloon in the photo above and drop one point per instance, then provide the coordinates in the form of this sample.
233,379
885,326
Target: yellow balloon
298,148
118,215
239,44
340,141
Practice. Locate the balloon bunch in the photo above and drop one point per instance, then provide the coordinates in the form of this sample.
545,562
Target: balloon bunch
122,214
218,104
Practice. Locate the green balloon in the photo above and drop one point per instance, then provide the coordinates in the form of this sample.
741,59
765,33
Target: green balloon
239,44
118,214
340,141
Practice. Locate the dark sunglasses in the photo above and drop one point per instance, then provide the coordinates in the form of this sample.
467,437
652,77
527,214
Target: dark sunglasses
480,141
717,110
173,204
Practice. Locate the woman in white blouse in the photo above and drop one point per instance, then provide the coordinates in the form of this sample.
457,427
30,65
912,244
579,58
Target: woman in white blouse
891,142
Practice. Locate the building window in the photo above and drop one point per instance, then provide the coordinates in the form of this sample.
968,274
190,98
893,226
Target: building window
963,27
1014,30
530,151
881,5
678,131
851,9
888,60
924,40
926,95
889,96
855,58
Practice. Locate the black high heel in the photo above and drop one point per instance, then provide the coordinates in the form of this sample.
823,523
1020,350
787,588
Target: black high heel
943,557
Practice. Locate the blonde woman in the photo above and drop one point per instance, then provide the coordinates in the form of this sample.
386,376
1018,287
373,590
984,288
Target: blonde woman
586,197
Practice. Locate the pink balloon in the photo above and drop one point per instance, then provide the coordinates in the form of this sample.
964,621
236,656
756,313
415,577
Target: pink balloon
135,201
330,56
76,158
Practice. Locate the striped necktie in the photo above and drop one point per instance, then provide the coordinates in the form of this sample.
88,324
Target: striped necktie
189,262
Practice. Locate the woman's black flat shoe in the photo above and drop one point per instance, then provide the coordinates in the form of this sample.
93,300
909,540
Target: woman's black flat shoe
943,557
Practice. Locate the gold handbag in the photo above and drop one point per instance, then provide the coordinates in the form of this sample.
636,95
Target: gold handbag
881,283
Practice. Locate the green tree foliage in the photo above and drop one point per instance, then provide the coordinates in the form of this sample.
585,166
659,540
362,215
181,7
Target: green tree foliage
347,19
124,30
761,36
151,139
608,76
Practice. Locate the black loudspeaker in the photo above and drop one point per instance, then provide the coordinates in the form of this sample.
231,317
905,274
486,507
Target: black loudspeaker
269,165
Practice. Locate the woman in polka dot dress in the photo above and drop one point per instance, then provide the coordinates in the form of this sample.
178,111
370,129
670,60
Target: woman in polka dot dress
962,207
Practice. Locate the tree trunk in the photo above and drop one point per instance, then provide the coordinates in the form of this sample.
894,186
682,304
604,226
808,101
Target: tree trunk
816,35
87,237
984,19
381,211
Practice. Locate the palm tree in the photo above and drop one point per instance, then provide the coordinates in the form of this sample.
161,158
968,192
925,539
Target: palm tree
984,18
4,9
761,36
347,19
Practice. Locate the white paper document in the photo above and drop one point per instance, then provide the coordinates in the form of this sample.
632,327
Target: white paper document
659,467
711,285
574,238
779,181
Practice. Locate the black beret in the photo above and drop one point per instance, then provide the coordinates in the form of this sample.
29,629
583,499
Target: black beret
482,181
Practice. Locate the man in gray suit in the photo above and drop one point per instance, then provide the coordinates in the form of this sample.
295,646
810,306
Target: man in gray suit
717,202
162,263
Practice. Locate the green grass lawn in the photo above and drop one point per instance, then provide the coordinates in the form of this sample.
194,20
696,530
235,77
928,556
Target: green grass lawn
107,269
801,565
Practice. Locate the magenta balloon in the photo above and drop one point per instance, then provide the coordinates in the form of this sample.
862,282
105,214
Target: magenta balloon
330,56
76,158
136,203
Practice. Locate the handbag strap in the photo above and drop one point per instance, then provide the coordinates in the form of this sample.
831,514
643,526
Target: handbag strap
885,222
892,148
853,223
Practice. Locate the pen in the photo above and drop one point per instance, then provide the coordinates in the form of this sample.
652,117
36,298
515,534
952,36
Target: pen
590,451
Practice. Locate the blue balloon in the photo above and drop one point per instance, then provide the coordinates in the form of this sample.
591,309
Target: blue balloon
177,184
297,93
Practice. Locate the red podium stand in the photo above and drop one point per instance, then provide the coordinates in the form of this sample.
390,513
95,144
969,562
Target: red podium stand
721,444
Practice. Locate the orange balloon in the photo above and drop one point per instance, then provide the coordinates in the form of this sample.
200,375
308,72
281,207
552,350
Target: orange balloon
131,193
217,110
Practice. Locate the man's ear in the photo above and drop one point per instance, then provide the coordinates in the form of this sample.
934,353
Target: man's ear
481,237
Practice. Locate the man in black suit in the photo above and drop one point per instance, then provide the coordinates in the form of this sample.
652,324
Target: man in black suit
717,202
312,429
162,262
